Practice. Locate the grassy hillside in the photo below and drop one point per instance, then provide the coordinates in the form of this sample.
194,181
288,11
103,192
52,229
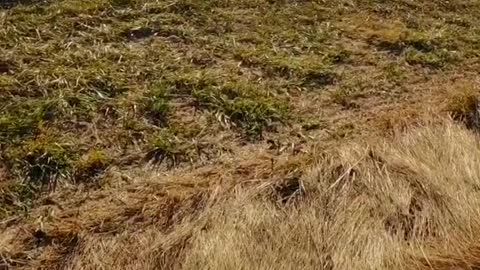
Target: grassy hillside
143,134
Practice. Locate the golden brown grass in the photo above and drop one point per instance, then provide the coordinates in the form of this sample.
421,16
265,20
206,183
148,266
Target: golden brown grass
158,134
411,202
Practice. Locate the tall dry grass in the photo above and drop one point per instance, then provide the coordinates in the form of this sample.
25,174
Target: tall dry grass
412,203
408,203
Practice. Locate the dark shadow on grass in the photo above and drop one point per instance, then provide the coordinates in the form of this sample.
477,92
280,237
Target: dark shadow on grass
7,4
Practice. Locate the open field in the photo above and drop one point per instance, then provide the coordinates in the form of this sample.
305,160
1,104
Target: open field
239,134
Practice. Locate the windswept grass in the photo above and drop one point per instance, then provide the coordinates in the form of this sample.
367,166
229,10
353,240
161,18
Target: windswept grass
178,134
407,203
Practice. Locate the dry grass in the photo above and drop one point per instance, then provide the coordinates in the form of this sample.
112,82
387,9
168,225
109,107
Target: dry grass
408,204
143,134
411,202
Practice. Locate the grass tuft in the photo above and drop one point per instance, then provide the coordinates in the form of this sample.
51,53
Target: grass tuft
167,148
90,165
157,107
40,161
463,105
434,59
16,198
243,108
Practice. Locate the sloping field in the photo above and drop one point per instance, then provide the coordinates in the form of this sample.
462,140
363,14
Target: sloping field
239,134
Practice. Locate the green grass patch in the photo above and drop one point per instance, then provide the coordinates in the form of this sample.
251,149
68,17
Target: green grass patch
242,106
16,198
394,72
310,70
434,59
41,160
168,148
137,76
20,118
156,106
90,165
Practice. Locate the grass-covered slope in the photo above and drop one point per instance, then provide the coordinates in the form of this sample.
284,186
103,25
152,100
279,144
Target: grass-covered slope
125,125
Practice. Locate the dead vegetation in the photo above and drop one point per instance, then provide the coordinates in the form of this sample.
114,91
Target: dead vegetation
407,203
138,134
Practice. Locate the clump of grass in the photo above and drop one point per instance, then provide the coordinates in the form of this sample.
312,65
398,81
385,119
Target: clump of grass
394,72
337,56
244,108
16,197
40,161
319,78
404,42
166,147
253,115
190,7
106,86
75,7
20,118
91,165
417,48
397,38
344,96
187,83
157,107
235,103
7,83
306,70
80,107
434,59
463,105
14,129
